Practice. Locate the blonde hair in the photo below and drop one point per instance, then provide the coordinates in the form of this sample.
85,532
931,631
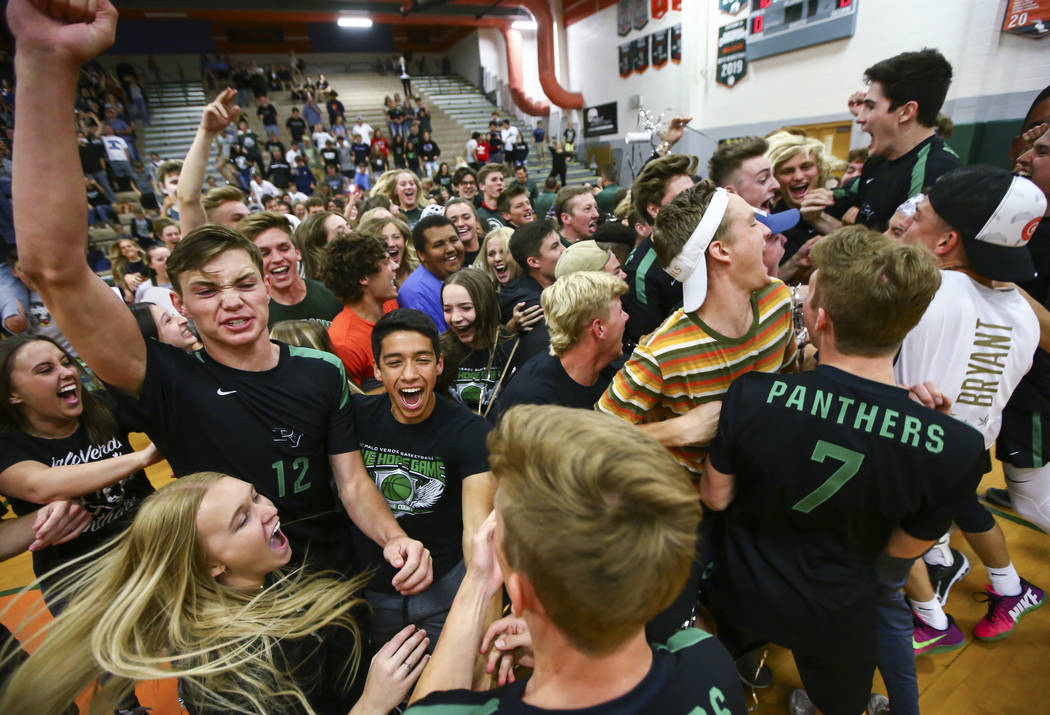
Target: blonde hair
119,261
624,512
784,145
145,606
482,263
375,224
387,186
572,302
218,196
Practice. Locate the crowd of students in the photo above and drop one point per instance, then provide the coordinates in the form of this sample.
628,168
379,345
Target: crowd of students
393,421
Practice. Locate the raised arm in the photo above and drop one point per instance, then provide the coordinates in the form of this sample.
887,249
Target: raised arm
216,117
38,483
52,239
452,666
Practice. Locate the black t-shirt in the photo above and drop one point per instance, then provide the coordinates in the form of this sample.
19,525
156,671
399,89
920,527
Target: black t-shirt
543,381
330,157
826,464
316,663
885,184
268,114
1032,394
412,146
112,508
652,294
360,150
428,149
796,236
279,173
476,378
419,469
525,289
296,127
692,674
274,428
92,154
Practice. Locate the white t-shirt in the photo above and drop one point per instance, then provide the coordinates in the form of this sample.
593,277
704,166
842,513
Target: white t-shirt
364,129
472,150
975,343
509,135
260,189
116,148
321,139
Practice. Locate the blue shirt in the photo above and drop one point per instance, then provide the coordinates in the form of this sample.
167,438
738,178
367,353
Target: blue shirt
422,291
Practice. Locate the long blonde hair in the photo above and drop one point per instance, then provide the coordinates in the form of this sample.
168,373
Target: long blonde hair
387,186
119,262
145,606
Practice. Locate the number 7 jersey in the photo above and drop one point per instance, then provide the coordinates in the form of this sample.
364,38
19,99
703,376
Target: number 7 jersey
826,465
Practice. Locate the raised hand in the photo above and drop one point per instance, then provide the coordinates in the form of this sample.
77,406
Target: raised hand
221,112
70,30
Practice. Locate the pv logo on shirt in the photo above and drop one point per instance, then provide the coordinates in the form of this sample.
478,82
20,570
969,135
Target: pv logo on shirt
286,434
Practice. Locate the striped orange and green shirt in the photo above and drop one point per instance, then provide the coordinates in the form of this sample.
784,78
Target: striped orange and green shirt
685,363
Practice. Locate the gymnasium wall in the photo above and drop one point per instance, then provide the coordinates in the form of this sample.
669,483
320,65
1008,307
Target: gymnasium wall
996,75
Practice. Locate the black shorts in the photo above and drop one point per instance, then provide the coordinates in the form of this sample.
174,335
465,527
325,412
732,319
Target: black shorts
1024,439
836,673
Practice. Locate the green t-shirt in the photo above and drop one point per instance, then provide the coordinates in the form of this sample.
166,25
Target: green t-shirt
319,304
606,198
543,203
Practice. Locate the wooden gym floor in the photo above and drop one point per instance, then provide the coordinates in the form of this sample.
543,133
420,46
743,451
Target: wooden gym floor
1007,676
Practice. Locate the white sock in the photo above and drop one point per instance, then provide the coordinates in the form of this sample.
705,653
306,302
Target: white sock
931,613
940,554
1005,581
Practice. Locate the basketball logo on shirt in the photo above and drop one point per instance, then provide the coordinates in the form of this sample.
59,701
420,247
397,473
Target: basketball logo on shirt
410,483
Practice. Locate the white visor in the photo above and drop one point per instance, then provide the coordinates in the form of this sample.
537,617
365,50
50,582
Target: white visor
690,266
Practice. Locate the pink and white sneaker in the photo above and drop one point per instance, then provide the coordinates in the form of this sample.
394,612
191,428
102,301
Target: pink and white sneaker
1005,611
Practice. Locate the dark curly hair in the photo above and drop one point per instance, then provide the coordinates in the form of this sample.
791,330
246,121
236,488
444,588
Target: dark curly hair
348,259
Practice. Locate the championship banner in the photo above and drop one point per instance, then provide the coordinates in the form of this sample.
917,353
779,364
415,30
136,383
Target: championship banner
641,14
659,49
676,44
1028,18
641,54
731,60
676,5
626,59
659,9
599,120
731,6
623,17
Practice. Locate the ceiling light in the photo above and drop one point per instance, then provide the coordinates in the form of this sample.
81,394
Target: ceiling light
524,25
355,22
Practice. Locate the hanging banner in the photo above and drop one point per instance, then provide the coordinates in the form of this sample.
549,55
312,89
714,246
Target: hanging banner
731,6
676,5
599,120
626,59
659,48
623,17
1028,18
659,9
641,14
731,60
641,54
676,44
